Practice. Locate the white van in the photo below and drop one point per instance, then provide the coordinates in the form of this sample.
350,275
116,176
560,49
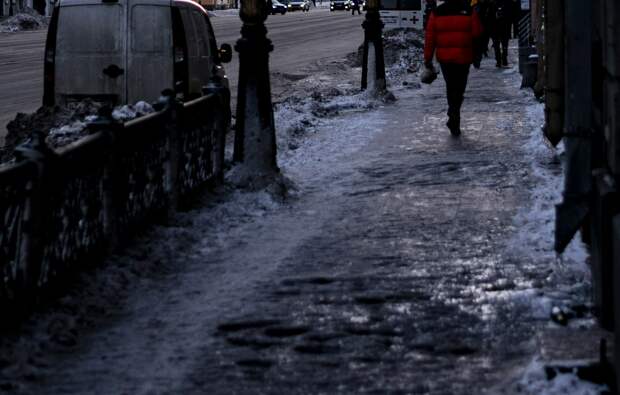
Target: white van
123,51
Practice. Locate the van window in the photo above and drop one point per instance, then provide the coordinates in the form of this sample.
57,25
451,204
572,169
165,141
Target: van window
90,28
149,33
202,34
190,33
212,43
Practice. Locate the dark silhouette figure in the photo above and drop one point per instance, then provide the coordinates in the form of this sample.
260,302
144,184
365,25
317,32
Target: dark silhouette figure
500,28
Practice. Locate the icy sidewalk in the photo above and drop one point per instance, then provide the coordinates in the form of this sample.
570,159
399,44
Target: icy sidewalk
406,261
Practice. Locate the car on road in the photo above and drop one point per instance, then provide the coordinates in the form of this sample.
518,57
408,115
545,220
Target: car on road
277,7
361,3
299,5
124,51
339,5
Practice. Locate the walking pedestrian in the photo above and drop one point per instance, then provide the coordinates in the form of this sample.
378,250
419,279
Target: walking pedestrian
355,6
483,8
451,31
501,12
516,15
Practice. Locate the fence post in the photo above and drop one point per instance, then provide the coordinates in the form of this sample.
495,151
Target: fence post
37,214
172,107
221,125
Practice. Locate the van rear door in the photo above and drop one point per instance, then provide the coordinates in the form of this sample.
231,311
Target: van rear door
90,50
150,54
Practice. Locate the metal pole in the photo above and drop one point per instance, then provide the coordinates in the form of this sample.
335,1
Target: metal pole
373,62
255,137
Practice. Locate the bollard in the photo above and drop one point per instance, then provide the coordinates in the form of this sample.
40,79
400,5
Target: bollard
255,137
373,64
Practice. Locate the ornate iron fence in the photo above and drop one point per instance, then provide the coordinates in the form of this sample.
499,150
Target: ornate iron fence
64,209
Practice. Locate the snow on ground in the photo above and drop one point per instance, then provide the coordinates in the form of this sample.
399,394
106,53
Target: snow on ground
308,127
99,292
535,382
536,225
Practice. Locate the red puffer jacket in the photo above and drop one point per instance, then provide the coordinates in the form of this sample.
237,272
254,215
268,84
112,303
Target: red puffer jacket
451,31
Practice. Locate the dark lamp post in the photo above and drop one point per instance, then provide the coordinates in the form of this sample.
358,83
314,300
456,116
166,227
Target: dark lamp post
253,11
255,136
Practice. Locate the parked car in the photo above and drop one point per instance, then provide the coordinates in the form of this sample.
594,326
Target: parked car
277,7
123,51
339,5
303,5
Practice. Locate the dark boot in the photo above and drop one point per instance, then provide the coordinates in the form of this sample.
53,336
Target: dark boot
505,60
454,125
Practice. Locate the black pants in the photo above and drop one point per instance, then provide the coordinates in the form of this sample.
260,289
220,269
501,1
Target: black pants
455,76
501,37
355,8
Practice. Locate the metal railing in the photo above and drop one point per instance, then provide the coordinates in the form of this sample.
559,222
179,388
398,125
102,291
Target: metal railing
64,209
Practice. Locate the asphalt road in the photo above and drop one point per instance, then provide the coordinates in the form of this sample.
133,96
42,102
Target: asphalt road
299,39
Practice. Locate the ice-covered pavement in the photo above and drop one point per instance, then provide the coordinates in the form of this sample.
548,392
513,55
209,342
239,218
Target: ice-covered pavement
404,261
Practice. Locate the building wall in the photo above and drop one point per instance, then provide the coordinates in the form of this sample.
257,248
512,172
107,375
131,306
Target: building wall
611,14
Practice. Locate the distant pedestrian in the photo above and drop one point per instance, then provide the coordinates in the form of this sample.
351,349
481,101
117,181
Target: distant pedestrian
355,6
501,25
483,8
451,31
516,16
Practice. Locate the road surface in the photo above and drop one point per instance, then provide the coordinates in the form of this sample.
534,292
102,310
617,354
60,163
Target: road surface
299,39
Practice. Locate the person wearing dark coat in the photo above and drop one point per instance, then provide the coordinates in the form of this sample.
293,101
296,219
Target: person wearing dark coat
355,6
501,24
483,8
451,32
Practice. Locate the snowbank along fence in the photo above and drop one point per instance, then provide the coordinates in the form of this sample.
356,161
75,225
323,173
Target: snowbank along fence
66,208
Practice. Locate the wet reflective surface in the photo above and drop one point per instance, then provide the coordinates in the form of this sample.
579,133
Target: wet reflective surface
408,261
408,285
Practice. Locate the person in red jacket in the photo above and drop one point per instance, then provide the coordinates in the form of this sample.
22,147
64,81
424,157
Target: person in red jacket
452,31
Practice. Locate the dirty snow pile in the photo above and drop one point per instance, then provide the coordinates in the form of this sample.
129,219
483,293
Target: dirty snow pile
29,19
536,382
568,275
64,124
303,102
128,112
403,52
